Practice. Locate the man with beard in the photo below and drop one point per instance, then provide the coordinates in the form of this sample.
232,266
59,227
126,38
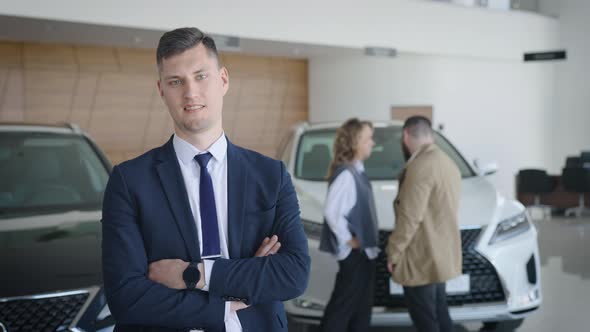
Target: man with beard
424,250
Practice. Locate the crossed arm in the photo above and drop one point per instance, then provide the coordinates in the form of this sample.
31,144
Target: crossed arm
168,272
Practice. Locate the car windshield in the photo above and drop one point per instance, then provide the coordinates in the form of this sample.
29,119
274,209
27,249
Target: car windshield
46,172
386,162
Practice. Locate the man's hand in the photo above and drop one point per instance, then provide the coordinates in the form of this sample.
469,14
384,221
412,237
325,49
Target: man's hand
390,266
237,305
354,243
268,247
168,272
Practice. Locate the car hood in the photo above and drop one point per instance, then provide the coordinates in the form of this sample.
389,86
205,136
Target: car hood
47,253
479,201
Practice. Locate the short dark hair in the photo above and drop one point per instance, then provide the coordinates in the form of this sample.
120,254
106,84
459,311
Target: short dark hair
179,40
418,126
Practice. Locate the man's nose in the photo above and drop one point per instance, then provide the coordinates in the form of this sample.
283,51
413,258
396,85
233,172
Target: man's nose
191,89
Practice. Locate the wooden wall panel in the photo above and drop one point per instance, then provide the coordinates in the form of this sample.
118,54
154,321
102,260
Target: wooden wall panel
11,55
13,100
111,94
49,57
97,59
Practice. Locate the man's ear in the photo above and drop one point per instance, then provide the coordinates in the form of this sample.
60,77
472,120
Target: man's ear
160,88
224,79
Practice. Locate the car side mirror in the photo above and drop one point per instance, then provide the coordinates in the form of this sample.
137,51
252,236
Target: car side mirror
487,169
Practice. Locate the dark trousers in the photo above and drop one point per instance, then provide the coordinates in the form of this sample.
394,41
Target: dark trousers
351,303
428,308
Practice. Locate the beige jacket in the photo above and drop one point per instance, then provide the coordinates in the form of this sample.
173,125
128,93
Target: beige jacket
425,245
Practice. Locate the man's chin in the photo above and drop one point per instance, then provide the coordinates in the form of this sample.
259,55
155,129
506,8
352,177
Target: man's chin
196,129
202,126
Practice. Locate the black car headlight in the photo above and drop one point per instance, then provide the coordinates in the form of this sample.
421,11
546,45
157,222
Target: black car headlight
511,227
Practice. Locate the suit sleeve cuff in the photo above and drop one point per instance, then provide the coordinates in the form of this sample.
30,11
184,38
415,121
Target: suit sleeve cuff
392,255
216,284
208,265
227,310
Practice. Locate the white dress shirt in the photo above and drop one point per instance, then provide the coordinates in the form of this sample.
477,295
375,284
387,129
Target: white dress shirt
340,200
191,172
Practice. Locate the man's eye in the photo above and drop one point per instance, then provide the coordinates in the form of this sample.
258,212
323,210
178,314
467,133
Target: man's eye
201,77
174,82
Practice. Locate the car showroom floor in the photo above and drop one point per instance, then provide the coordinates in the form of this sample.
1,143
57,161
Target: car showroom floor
564,244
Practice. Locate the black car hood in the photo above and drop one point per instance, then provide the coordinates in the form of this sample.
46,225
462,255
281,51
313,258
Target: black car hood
48,253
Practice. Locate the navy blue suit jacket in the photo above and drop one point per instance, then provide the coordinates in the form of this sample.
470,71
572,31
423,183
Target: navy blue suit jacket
147,217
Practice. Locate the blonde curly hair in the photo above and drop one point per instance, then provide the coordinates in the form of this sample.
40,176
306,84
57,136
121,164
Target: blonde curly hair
346,143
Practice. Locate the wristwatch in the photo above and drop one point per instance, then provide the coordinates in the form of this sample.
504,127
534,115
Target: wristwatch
191,275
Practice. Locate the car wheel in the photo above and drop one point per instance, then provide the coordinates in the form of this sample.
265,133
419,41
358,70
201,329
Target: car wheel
502,326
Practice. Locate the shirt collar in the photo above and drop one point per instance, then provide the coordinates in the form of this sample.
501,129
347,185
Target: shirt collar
186,152
359,166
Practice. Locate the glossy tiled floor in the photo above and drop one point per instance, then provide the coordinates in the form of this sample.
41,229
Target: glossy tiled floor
564,244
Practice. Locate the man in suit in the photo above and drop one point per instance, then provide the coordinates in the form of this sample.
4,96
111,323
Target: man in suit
424,250
200,234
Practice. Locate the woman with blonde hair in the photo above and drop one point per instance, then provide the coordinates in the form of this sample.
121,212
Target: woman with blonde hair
350,231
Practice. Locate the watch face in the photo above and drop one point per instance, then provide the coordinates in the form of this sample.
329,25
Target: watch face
191,275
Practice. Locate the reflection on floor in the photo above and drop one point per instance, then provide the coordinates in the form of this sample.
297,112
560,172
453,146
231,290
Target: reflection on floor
564,244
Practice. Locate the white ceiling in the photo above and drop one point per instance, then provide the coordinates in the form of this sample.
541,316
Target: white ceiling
49,31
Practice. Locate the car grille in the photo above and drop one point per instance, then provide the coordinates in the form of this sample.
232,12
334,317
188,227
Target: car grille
52,313
485,283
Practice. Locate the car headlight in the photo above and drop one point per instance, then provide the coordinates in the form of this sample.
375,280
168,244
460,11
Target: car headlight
511,227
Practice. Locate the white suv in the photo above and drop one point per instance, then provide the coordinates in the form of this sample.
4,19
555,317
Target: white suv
500,283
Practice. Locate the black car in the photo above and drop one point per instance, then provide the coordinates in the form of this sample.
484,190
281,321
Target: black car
52,180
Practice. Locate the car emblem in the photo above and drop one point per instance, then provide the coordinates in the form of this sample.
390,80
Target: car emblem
2,327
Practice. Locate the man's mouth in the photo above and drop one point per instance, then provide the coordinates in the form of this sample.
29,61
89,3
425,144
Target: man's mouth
191,108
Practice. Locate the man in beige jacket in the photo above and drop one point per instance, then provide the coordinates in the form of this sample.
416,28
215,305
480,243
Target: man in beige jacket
424,250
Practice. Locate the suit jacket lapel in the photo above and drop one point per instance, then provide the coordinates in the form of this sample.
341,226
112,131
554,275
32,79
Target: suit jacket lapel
236,187
173,184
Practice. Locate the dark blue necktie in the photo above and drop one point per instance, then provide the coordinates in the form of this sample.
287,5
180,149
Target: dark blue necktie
209,228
